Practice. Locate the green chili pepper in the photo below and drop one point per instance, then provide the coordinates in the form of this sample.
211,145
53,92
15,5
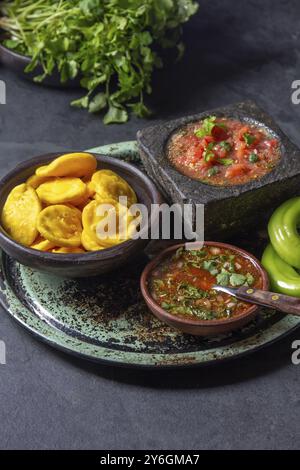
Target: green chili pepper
283,277
283,231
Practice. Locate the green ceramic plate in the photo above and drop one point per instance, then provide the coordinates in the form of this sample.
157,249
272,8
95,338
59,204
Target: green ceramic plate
105,319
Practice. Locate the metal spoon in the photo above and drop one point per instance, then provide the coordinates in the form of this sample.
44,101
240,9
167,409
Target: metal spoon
284,303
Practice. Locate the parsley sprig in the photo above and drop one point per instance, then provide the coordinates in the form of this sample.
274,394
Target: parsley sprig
207,126
249,138
208,153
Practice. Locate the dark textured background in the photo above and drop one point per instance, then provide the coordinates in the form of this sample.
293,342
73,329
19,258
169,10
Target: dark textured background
235,50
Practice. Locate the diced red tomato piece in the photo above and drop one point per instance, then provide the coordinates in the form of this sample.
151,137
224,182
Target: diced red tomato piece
205,164
198,152
204,280
243,130
237,170
219,133
240,150
208,139
272,143
258,136
204,283
220,152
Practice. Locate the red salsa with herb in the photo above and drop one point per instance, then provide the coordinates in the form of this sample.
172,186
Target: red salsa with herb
222,151
182,284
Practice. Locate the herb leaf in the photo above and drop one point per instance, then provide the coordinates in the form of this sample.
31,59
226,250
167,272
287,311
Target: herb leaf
98,103
249,279
115,115
225,145
225,161
207,126
248,138
211,266
193,292
237,279
208,154
223,279
178,253
253,157
198,253
213,171
167,306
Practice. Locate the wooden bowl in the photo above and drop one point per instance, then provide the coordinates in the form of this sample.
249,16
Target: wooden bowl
85,264
201,327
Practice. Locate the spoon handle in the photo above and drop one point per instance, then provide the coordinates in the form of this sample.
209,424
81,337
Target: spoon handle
284,303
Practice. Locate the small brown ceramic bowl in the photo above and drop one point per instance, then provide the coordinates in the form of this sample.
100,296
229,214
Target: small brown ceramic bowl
201,327
85,264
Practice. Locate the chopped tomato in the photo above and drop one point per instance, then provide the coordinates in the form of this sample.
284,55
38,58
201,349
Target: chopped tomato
258,136
225,152
194,271
197,277
219,133
271,143
243,130
204,280
220,152
204,164
240,150
208,139
198,152
237,170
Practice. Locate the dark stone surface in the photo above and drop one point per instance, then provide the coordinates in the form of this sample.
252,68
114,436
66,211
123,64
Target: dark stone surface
236,51
226,209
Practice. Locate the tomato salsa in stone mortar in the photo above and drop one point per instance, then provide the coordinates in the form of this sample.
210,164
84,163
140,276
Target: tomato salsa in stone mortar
223,151
182,284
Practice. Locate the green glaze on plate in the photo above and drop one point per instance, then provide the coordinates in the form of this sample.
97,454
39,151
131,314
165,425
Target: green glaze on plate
105,319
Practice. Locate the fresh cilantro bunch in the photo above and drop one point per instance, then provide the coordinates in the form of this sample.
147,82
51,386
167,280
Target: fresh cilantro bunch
112,45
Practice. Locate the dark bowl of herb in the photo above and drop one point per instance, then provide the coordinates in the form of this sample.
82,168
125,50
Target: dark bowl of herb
178,287
112,48
19,62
